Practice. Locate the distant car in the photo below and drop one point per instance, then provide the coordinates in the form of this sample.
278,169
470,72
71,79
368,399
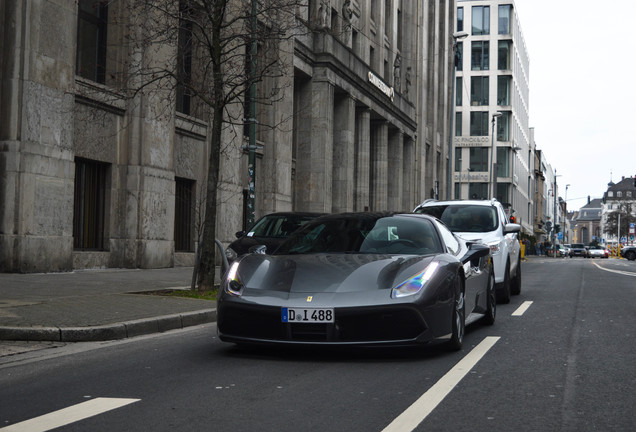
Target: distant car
485,221
359,279
268,231
629,252
578,249
596,252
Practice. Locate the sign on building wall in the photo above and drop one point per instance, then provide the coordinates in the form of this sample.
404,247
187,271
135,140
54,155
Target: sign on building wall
475,141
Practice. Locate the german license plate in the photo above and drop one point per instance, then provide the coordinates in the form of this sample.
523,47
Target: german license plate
307,315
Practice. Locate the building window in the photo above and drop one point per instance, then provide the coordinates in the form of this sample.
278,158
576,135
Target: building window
458,91
184,60
478,191
479,159
479,90
505,11
503,127
619,194
481,20
629,194
89,204
479,123
458,160
460,19
479,55
503,162
459,56
502,193
503,89
458,124
183,215
91,40
457,191
503,53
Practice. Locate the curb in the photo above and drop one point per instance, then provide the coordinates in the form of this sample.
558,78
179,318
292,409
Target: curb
109,332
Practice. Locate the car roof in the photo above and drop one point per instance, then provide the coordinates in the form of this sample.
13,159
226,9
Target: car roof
432,202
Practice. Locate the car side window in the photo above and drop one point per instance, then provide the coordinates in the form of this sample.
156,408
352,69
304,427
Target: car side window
449,239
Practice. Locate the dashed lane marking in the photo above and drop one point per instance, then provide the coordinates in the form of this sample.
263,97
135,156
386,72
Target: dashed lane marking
69,415
522,309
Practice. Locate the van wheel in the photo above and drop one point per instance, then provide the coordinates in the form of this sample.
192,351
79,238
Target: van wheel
503,294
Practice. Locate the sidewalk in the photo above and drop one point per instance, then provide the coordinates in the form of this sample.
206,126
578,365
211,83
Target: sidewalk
96,305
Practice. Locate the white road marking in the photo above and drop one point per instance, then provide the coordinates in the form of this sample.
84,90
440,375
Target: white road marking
421,408
69,415
522,309
616,271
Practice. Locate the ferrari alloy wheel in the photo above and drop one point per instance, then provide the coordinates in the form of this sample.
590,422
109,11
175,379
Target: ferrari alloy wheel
459,317
491,307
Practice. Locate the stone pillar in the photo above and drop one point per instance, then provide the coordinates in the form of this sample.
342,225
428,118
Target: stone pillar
379,165
409,200
343,154
315,146
395,170
362,160
36,136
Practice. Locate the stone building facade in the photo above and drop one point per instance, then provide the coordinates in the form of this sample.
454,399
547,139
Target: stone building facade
93,177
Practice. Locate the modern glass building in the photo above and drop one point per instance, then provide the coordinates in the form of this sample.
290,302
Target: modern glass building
491,108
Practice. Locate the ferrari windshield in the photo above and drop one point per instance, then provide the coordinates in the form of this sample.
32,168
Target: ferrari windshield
278,226
464,217
365,234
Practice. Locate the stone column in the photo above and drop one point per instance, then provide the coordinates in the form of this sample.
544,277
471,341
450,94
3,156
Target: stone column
395,170
343,154
409,200
362,160
36,136
379,165
315,146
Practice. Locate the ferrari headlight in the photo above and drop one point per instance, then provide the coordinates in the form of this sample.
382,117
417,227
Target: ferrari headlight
233,284
415,283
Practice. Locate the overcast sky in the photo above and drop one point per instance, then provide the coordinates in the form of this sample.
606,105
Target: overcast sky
582,90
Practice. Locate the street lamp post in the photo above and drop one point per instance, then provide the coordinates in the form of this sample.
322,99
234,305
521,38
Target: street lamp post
456,59
491,186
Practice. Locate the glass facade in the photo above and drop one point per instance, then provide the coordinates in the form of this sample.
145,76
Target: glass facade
503,55
479,159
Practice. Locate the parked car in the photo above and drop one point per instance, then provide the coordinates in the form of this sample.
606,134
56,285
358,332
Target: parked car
578,249
485,221
597,252
558,251
629,252
359,279
268,231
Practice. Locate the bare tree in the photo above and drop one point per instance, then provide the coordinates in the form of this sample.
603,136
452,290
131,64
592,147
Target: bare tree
624,214
202,52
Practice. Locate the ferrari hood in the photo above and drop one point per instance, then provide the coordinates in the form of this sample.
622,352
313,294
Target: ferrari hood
328,273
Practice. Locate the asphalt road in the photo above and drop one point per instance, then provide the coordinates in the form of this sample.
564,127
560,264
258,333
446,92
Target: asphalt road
559,358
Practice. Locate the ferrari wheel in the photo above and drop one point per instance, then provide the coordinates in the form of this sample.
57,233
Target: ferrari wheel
491,307
630,255
459,317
